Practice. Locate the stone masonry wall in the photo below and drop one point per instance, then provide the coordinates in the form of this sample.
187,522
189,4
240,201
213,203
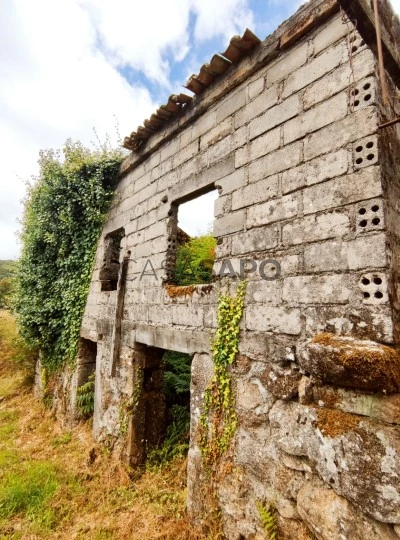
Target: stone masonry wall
305,177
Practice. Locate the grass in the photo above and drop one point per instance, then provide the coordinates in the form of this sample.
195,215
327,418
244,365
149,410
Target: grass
7,268
50,489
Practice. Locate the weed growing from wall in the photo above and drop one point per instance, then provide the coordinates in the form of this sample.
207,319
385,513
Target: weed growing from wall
64,212
268,519
85,397
218,421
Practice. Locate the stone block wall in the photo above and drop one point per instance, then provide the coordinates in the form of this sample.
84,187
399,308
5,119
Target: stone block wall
306,178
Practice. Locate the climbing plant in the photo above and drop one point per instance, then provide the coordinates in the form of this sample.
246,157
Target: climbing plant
218,421
64,212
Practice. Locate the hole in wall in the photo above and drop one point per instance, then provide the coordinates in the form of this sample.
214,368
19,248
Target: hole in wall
164,404
361,96
85,374
371,285
369,216
363,153
109,271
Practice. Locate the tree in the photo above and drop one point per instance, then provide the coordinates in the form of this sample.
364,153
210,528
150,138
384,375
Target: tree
195,260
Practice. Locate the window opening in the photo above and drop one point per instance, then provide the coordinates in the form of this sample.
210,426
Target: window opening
111,261
191,244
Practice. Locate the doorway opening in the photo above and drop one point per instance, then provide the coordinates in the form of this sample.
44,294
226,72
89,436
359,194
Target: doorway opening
161,422
176,390
85,373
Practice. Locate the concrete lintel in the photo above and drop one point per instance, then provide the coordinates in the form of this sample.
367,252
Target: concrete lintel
173,339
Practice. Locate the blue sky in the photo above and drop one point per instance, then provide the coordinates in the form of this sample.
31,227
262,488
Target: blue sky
69,66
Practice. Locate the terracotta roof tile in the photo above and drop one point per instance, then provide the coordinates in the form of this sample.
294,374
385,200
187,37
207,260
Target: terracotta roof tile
219,64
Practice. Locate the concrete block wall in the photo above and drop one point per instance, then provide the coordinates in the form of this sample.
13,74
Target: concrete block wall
304,178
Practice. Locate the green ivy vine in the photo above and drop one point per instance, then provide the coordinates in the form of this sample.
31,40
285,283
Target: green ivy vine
218,421
64,213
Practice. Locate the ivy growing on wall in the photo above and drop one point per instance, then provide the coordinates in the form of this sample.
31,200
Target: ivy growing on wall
64,212
218,421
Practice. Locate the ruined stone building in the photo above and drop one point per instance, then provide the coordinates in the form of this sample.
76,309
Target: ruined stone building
290,132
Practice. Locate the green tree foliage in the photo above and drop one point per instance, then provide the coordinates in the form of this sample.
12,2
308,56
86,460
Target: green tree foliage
64,213
194,261
176,376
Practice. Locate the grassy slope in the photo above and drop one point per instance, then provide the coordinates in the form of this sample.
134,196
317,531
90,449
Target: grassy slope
7,268
49,489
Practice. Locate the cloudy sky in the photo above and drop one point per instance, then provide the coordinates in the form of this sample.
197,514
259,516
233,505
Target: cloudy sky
68,66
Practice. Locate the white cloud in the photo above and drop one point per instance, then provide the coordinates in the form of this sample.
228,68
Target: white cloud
55,84
139,37
58,67
224,18
196,217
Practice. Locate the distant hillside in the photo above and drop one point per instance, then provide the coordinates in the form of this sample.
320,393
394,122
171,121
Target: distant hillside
7,268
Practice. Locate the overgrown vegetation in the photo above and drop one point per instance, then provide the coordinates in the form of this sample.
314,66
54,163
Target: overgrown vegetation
85,397
56,485
64,212
15,353
218,421
194,261
7,270
28,490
